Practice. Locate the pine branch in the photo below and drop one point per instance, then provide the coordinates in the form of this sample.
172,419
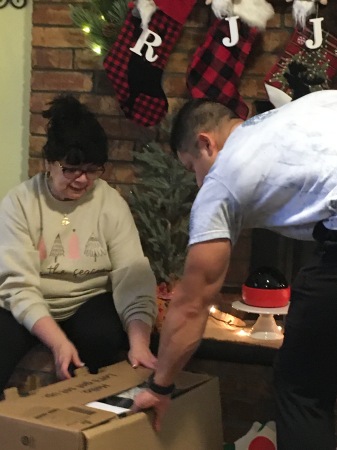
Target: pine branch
161,207
102,21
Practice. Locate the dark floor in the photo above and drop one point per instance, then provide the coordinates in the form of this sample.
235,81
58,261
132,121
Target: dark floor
246,393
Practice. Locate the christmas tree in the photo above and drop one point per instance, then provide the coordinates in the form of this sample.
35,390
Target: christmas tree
161,207
101,21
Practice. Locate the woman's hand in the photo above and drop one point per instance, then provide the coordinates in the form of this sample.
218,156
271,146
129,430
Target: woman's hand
141,355
64,351
65,355
139,339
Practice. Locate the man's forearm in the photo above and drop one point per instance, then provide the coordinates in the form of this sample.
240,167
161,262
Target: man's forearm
184,325
181,335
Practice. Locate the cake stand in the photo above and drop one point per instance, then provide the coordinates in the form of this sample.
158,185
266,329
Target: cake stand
265,326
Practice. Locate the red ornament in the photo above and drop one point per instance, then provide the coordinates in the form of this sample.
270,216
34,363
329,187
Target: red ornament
261,443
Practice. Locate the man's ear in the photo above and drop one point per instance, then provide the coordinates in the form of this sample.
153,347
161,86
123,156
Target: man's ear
46,165
207,142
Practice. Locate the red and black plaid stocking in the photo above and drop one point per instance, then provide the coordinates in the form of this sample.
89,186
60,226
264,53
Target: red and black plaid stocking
136,61
215,69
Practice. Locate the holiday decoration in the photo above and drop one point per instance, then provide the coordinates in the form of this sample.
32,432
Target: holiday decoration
136,61
255,13
145,9
300,69
161,207
266,287
302,9
101,22
322,2
259,437
216,68
217,65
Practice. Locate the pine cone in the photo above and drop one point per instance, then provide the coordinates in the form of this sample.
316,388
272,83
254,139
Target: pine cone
108,30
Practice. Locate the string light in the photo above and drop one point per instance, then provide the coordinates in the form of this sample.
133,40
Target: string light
86,29
225,318
242,333
97,49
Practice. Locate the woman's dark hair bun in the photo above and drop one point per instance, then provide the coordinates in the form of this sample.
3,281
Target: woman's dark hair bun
74,134
65,108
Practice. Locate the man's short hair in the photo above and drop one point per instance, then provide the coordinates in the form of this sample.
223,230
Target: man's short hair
196,116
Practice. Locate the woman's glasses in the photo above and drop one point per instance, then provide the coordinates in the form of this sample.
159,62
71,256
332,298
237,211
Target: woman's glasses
71,173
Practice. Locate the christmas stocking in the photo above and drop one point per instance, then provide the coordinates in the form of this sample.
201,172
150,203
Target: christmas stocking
301,70
215,69
136,60
254,13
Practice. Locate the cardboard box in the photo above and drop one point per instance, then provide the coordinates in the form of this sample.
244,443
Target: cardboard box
56,417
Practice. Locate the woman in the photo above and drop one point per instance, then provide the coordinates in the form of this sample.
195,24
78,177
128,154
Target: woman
72,271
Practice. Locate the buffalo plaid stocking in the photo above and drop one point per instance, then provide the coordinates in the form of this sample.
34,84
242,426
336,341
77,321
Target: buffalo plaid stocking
215,69
136,61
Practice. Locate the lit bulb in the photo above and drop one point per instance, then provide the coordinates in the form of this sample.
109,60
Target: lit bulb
242,333
86,29
97,49
212,309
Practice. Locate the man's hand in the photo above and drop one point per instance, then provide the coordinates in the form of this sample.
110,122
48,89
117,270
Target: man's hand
159,403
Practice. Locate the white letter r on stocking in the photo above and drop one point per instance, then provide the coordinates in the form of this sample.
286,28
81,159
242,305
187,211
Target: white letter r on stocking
149,54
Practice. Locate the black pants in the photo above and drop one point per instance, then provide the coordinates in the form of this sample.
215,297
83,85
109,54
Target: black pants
306,365
95,329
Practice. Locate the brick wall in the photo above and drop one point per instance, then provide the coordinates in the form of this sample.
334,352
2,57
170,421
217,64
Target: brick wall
62,63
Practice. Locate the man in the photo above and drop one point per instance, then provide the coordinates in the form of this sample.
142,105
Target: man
278,171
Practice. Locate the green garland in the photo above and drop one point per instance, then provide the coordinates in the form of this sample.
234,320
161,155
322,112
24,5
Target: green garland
101,21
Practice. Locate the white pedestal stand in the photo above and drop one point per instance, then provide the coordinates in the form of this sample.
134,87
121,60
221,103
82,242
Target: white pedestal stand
265,326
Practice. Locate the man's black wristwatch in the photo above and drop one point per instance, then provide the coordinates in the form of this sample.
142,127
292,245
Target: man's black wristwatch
157,389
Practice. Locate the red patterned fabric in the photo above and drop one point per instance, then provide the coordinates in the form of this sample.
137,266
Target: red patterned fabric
178,10
301,70
136,81
215,70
